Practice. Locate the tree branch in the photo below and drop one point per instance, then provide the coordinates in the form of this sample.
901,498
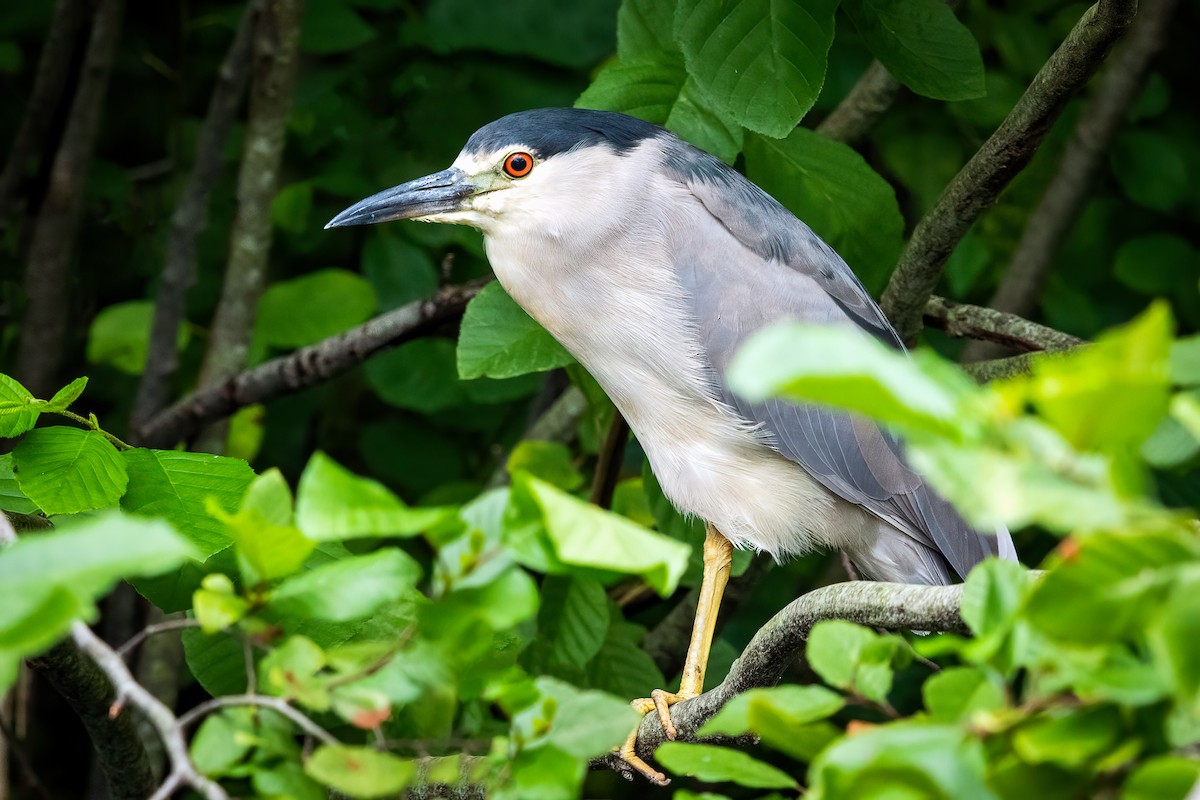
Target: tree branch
986,324
44,327
892,606
276,61
862,107
977,185
54,64
305,367
1055,215
276,704
190,219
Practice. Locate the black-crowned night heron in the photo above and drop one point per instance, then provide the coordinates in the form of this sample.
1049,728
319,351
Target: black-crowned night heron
651,261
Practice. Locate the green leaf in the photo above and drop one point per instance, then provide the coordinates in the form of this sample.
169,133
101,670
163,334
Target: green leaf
182,487
761,62
710,763
1162,778
1185,361
419,376
567,34
288,780
348,589
360,771
922,44
991,599
645,27
67,395
400,271
11,496
846,369
291,671
18,412
1158,264
332,503
120,336
548,461
957,693
944,761
584,723
1151,170
850,656
782,717
67,470
832,189
331,26
290,208
656,87
217,606
551,531
313,307
219,744
1068,737
499,340
574,618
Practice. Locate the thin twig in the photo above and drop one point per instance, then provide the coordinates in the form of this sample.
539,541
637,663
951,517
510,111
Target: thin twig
977,185
276,704
190,219
608,461
170,729
986,324
152,630
862,107
305,367
1051,220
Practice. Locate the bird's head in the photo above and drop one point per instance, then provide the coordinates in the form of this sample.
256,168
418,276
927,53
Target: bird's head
545,167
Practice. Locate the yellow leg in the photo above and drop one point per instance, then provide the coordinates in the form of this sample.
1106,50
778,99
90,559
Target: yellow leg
718,554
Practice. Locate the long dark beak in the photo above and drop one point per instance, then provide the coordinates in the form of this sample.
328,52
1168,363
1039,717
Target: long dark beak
434,194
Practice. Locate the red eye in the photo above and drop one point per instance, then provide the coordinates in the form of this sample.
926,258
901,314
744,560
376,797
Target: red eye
518,165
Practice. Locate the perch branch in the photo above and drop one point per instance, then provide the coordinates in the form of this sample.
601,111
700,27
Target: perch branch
190,219
977,185
1055,215
986,324
305,367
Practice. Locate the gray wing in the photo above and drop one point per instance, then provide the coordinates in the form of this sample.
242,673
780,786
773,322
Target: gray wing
752,263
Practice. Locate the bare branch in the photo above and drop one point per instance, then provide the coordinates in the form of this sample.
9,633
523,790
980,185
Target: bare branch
276,704
44,327
155,629
986,324
129,691
190,219
608,461
276,62
997,368
305,367
1055,215
54,64
978,184
863,106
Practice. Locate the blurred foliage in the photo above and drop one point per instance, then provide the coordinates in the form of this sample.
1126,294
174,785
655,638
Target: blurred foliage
494,628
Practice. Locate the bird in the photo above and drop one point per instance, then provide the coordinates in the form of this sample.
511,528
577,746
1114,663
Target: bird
652,261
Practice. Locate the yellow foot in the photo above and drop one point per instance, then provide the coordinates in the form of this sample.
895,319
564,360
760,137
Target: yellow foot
661,701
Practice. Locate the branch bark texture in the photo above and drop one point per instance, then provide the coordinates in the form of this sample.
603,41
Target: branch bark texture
47,270
305,367
977,185
190,219
986,324
275,64
863,106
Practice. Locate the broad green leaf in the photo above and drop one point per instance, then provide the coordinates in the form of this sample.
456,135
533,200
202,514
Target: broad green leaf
287,779
18,412
1174,640
622,667
291,671
1151,170
1162,778
944,761
582,722
552,531
270,495
955,694
1185,361
290,208
833,190
220,743
332,26
419,376
360,771
65,396
182,487
991,600
573,620
787,718
645,27
656,88
216,604
400,271
502,603
922,44
845,369
499,340
567,34
710,763
265,551
67,470
850,656
120,336
548,461
11,497
1157,264
1068,737
332,503
218,661
348,589
541,772
305,310
761,62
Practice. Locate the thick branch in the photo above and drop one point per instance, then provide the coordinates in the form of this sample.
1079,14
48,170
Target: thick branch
190,219
892,606
305,367
863,106
978,184
986,324
54,64
276,61
1055,215
119,749
995,369
44,328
